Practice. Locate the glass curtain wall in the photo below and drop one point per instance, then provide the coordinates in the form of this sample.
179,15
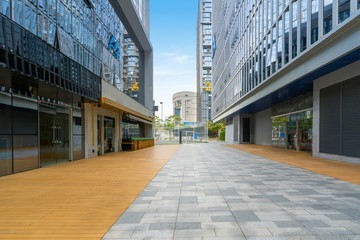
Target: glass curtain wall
6,165
54,134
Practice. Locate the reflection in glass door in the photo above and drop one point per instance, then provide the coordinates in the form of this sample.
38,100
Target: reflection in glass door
54,134
109,132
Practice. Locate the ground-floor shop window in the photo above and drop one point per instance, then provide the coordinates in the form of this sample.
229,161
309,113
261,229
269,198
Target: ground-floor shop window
293,131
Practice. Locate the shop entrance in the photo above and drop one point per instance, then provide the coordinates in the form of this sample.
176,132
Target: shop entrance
293,131
54,134
109,134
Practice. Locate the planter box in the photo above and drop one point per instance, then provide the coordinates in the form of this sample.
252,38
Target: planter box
140,144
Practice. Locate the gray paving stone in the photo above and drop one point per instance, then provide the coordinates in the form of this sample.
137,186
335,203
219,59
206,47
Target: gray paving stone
208,191
188,225
162,226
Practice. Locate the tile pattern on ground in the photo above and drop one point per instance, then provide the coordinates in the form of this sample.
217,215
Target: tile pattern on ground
208,191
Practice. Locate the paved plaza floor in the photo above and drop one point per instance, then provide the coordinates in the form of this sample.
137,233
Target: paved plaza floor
208,191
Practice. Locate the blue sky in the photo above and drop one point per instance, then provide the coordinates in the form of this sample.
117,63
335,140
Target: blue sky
173,36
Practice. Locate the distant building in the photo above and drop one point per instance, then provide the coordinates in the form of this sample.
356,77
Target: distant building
203,60
184,106
286,74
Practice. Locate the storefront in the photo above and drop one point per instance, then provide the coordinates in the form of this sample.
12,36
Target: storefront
293,131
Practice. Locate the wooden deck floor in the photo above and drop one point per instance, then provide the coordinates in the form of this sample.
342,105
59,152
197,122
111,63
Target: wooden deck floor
344,171
77,200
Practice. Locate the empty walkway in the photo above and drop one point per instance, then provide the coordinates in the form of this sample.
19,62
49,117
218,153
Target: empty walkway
208,191
77,200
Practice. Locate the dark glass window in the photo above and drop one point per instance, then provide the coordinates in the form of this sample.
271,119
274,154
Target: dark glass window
5,120
25,121
32,46
46,55
17,40
8,34
39,52
287,36
2,34
294,28
314,20
344,10
328,5
303,29
280,44
26,44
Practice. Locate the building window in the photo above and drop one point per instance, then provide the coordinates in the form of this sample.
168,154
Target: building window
280,44
5,7
294,28
287,36
273,50
303,29
344,10
314,20
328,5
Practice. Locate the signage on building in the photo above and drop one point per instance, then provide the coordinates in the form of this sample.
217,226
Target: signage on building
135,87
114,46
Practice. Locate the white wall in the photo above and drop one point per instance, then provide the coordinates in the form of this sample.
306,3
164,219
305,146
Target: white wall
262,127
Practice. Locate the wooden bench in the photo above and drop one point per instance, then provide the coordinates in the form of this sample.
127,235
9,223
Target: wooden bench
125,145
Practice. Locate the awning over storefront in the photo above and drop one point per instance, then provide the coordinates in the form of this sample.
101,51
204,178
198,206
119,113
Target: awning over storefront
114,106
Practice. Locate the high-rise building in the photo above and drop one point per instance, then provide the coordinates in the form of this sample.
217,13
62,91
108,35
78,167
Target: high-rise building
286,74
184,106
204,54
62,86
131,68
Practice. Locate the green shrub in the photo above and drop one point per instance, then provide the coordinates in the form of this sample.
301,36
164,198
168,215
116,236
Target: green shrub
141,139
222,136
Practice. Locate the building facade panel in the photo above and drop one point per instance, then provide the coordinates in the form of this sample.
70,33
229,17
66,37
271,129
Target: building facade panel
267,55
55,57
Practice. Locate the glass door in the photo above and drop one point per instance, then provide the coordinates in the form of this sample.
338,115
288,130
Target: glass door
109,134
54,134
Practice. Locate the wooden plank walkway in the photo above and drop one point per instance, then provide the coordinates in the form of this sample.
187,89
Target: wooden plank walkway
76,200
340,170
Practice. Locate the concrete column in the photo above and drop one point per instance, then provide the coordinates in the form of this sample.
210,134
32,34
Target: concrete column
90,130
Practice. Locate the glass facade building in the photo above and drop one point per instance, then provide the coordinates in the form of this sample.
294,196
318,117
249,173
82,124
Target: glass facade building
56,59
271,61
255,41
204,60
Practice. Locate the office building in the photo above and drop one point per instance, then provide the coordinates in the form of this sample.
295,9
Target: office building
184,105
203,61
286,74
62,87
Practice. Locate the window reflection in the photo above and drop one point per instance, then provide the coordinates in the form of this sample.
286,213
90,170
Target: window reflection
294,28
328,5
280,44
303,31
314,20
344,10
287,36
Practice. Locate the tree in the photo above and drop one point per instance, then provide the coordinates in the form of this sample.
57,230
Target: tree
214,128
158,122
172,121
